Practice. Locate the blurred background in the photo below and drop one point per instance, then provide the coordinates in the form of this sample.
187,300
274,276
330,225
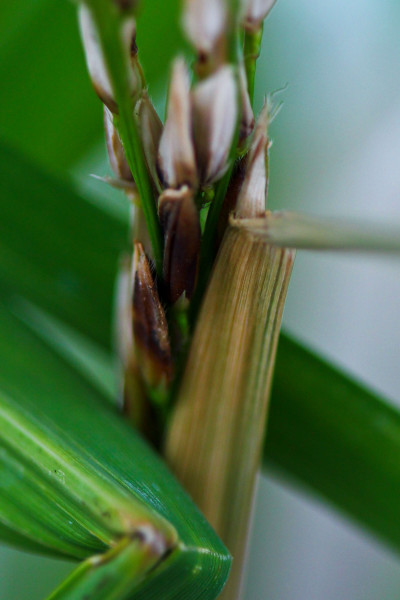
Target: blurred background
336,152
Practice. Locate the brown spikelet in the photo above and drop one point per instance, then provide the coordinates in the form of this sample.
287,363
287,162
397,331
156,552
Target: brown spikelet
115,150
253,193
180,223
150,328
95,60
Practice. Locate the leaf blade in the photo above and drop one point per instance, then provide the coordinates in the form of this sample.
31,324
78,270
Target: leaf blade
55,248
332,435
85,464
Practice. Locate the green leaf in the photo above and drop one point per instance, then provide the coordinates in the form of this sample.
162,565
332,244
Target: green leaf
56,249
159,38
49,109
75,478
336,438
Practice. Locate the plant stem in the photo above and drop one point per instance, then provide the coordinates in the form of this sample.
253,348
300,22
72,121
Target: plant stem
108,22
217,426
252,47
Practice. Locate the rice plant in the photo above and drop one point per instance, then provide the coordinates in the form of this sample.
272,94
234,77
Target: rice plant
90,472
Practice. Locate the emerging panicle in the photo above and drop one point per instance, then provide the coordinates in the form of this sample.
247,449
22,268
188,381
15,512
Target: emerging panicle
95,59
214,116
205,22
150,328
254,13
252,196
201,378
176,158
182,236
115,150
150,128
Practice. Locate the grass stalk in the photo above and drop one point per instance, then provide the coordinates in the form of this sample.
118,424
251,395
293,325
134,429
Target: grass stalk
216,431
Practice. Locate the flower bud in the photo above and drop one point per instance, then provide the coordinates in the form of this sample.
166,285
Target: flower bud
95,60
215,114
176,159
116,154
150,128
253,193
254,13
182,236
150,328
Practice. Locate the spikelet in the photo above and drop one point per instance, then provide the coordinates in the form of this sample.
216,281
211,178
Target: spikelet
205,22
95,60
180,223
214,115
254,13
150,328
115,150
176,158
253,193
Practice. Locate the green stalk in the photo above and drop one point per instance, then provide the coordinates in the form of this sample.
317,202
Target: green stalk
108,23
251,52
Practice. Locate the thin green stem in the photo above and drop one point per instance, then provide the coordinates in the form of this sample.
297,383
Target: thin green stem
252,47
108,21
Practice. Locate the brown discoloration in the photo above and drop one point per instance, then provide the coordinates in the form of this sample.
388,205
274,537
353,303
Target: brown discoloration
115,149
182,237
105,97
125,5
150,328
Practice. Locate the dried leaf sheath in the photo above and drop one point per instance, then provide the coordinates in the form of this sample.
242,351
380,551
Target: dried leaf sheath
215,436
